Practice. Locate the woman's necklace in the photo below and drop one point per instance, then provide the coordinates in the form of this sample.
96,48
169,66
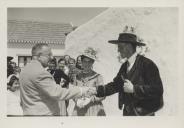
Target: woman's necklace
85,75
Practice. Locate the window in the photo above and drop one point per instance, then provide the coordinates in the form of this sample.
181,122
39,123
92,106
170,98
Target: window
23,60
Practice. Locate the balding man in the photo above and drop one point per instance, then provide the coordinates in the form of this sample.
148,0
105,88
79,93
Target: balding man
38,91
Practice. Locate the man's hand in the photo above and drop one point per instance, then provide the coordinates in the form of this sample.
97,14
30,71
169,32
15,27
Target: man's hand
89,91
81,103
128,86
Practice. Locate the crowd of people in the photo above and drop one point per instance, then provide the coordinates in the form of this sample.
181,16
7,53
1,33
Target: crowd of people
13,95
47,85
64,71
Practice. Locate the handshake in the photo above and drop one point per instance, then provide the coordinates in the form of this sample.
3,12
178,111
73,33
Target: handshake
88,91
88,94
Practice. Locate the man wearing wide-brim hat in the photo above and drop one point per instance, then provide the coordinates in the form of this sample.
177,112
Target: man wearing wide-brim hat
138,81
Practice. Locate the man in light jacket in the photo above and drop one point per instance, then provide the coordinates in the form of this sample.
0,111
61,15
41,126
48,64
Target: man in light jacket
38,91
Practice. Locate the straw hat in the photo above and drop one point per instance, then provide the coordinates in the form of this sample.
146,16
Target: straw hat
90,53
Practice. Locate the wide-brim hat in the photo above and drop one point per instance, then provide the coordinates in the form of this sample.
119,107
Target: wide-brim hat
127,38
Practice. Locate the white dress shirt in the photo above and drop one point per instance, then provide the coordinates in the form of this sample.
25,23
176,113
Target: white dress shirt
131,61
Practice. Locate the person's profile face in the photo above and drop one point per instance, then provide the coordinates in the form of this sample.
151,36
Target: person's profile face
125,50
15,85
46,56
79,61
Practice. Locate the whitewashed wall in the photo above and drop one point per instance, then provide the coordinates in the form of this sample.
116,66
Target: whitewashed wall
157,26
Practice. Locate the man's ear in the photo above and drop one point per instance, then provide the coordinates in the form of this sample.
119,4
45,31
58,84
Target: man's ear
39,57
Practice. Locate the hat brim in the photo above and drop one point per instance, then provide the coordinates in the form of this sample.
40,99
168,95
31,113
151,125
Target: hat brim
88,57
130,42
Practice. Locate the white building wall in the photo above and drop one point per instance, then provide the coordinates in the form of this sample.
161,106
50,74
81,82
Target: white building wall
159,29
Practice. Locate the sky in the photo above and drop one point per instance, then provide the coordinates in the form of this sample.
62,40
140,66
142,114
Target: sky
76,16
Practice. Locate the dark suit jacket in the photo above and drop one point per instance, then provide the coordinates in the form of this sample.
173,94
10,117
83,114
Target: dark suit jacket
60,74
148,89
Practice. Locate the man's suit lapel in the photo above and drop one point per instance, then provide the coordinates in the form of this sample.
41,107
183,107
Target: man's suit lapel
124,70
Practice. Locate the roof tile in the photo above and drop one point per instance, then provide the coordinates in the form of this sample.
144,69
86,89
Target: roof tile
36,31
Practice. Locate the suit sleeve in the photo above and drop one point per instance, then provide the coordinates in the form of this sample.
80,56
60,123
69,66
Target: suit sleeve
153,85
67,80
46,83
99,82
112,87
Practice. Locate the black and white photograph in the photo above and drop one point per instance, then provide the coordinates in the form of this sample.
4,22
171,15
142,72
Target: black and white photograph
92,61
91,64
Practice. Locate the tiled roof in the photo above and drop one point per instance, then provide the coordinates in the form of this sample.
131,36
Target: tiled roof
33,32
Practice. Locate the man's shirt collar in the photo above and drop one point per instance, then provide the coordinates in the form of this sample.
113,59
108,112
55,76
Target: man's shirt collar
132,59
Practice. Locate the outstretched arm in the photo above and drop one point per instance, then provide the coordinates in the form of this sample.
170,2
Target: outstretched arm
110,88
46,83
